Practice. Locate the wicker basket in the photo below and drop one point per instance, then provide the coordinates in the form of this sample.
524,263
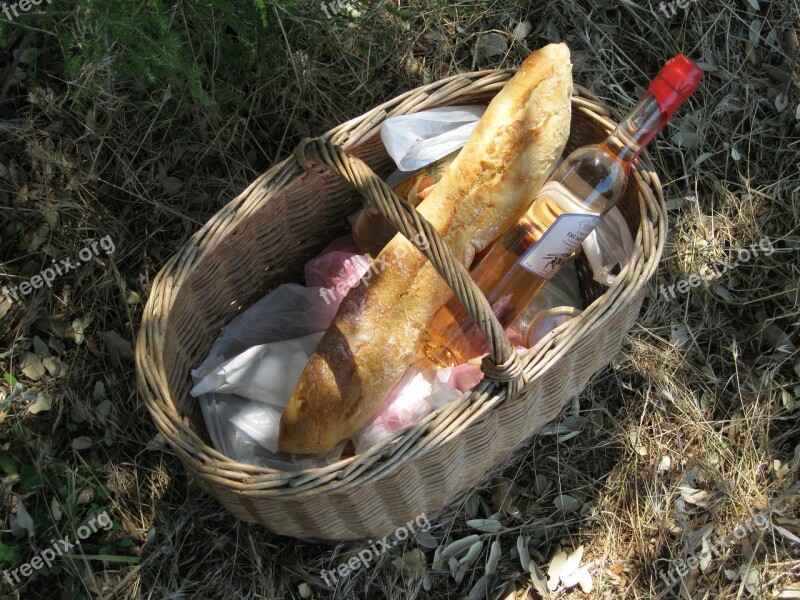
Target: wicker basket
264,237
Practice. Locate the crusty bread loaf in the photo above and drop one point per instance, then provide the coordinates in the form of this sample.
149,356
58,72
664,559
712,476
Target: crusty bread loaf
492,181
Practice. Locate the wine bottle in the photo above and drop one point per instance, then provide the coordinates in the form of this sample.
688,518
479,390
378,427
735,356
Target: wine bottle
586,185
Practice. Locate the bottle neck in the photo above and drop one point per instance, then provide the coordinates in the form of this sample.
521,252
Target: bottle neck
635,131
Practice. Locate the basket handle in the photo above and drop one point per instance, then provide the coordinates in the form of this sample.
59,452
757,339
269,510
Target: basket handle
502,363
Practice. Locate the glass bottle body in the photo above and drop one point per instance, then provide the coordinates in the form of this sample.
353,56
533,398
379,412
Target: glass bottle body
586,185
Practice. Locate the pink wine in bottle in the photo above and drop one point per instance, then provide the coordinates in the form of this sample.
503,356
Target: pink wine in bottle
565,211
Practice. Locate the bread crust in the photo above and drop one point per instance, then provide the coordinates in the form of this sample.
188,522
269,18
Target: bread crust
378,326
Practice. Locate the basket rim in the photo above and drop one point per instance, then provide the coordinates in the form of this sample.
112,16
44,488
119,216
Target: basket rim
213,467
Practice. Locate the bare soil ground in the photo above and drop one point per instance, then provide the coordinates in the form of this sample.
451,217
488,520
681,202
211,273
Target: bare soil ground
674,472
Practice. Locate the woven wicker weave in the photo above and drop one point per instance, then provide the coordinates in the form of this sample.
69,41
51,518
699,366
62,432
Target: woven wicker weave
264,237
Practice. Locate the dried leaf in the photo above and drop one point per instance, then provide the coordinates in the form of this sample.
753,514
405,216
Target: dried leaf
699,161
470,557
723,293
81,443
423,538
5,306
538,580
76,331
785,532
118,347
781,102
453,564
104,409
705,555
494,557
686,139
774,337
85,496
567,503
679,334
481,589
485,525
554,569
664,464
586,582
491,45
56,345
42,403
751,577
427,582
690,580
502,498
55,509
754,31
522,551
789,523
694,496
459,546
571,564
635,440
32,366
795,460
521,30
569,436
53,365
39,237
575,577
437,559
22,522
99,391
555,429
39,346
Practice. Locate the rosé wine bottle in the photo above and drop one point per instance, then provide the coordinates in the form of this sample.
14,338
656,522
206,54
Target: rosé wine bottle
565,211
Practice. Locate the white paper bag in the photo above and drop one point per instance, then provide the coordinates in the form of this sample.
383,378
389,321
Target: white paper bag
419,139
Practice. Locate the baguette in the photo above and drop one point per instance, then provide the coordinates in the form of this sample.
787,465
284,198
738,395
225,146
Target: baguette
379,324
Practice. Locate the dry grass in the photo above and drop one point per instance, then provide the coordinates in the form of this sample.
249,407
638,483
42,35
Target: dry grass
695,424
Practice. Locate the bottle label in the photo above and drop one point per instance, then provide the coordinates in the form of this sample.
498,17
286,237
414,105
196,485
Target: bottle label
545,257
